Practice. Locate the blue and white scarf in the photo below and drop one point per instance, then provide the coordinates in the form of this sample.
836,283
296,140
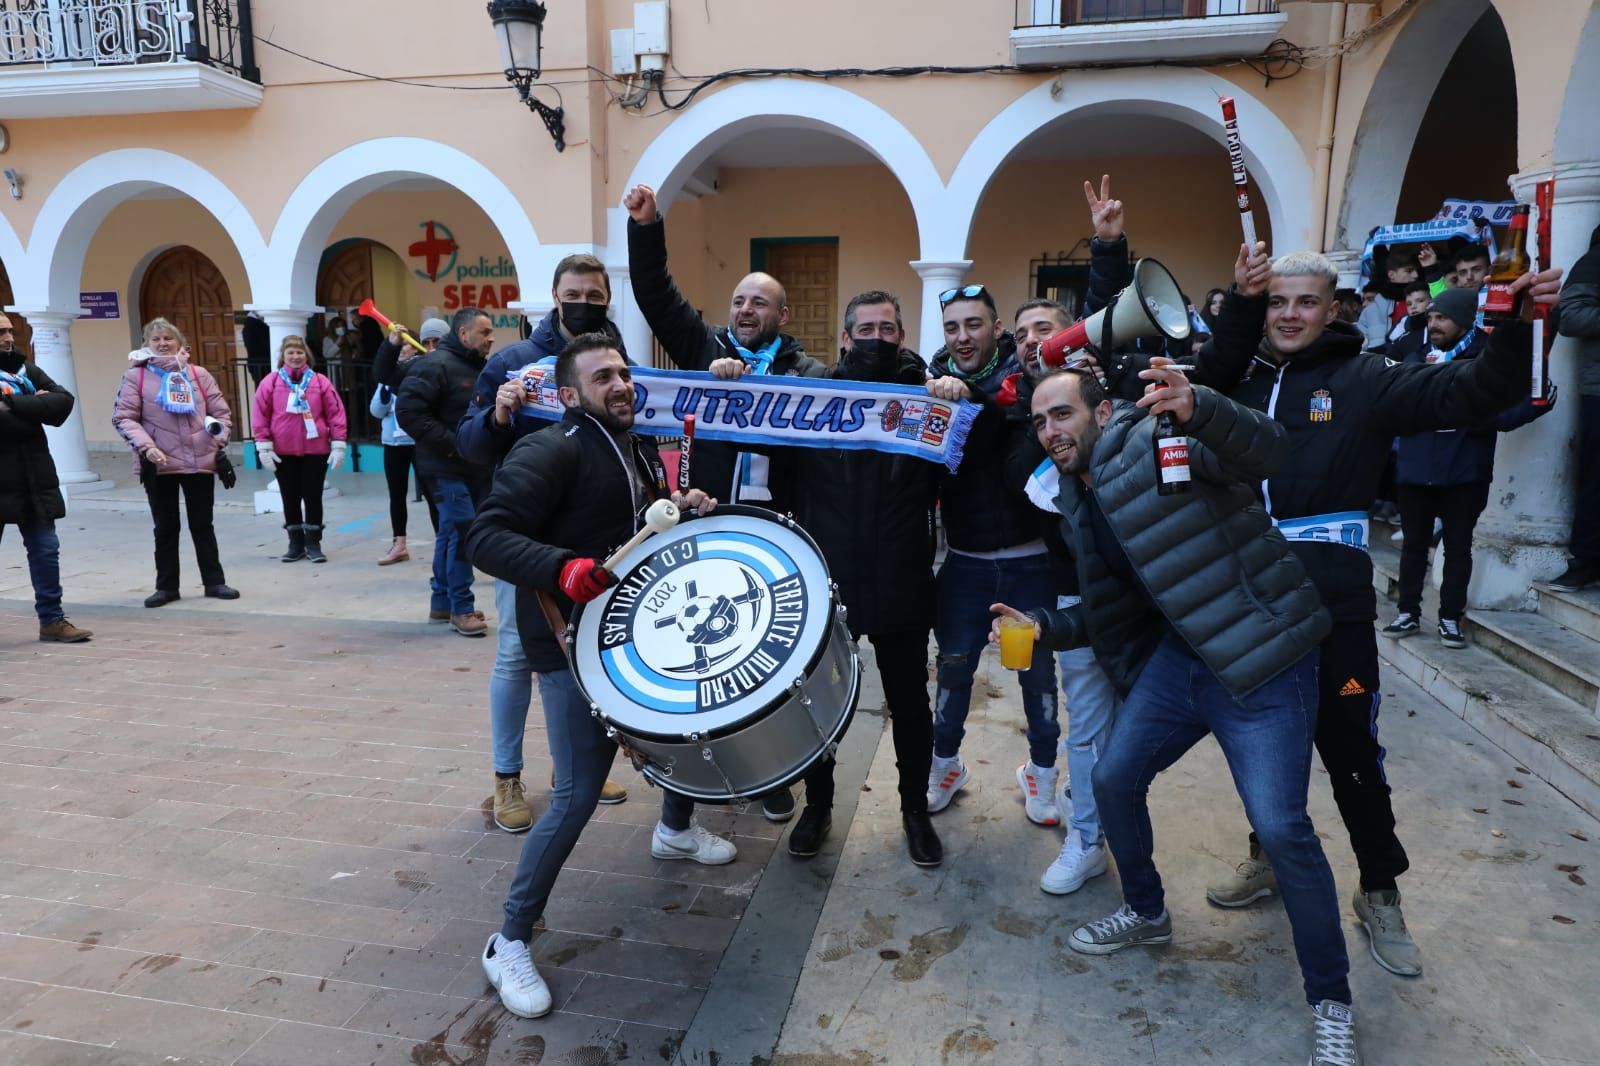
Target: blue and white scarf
296,403
12,384
176,392
759,362
1436,355
782,411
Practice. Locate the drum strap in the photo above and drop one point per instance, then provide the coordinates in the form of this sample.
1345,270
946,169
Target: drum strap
553,619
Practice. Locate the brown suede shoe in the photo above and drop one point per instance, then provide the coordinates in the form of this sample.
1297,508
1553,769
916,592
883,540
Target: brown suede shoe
63,632
397,553
471,624
611,792
511,811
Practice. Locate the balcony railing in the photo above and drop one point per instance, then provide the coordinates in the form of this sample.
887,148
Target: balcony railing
1033,14
102,33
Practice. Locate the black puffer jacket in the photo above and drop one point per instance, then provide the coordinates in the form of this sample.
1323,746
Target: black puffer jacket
559,494
982,512
29,488
871,513
434,394
1209,559
693,345
1335,465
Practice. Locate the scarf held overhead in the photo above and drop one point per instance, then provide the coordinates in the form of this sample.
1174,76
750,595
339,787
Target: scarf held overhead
779,411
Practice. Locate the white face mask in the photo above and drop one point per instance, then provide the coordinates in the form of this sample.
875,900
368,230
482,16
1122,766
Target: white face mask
338,331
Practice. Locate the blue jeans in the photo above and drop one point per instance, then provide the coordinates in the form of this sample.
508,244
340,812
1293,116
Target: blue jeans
43,549
965,589
510,685
582,754
457,509
1091,710
1266,737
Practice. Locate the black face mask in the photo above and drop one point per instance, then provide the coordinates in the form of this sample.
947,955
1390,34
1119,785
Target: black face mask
579,318
872,359
12,361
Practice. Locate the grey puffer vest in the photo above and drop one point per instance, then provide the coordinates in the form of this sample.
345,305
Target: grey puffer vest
1210,559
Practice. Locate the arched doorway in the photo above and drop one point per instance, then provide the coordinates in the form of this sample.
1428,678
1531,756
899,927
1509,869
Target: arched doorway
23,332
360,269
186,288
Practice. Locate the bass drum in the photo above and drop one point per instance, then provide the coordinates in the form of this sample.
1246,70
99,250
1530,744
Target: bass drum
720,658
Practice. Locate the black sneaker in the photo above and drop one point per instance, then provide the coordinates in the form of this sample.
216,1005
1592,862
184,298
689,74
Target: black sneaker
1404,625
1577,575
778,806
921,841
221,592
806,838
161,597
1450,633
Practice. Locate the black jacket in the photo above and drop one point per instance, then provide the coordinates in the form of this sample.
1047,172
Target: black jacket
1209,560
1443,457
434,393
29,488
1335,465
871,513
981,510
559,494
693,345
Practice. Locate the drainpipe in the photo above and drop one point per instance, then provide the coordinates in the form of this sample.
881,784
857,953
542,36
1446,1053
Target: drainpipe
1325,129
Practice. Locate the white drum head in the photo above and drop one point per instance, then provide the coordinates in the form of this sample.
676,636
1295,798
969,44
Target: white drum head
707,627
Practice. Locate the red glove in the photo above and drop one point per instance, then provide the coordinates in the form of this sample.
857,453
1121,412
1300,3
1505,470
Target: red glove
1007,396
585,579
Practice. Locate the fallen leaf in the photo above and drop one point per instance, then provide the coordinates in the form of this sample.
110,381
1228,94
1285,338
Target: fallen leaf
1522,770
1514,803
461,669
1575,879
669,906
1512,782
1567,868
866,788
1592,736
1576,835
1411,714
1480,810
1563,919
1497,833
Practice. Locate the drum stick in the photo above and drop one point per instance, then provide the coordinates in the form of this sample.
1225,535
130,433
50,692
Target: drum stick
684,452
552,618
661,517
1241,179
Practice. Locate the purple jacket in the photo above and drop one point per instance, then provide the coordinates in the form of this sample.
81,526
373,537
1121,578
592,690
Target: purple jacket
286,432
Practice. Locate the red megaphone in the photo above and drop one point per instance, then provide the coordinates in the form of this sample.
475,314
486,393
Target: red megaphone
1152,305
370,310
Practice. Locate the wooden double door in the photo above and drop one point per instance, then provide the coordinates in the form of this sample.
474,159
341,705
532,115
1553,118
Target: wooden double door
185,288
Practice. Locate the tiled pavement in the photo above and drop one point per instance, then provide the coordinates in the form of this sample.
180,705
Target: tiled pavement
254,839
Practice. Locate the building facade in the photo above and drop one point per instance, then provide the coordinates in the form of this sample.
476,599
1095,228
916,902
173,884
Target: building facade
201,160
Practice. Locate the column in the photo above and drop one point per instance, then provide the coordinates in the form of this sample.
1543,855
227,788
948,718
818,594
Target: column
937,275
1522,536
636,336
283,322
52,351
1348,260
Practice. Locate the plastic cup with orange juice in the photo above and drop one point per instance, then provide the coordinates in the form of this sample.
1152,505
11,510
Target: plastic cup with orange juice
1016,642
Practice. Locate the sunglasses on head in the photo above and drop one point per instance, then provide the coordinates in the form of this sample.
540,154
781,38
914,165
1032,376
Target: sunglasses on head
966,292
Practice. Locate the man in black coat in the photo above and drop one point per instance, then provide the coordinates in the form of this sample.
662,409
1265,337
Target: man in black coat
871,513
754,334
431,401
561,500
30,492
1341,409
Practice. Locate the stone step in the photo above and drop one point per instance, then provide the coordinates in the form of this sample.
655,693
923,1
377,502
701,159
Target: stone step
1578,611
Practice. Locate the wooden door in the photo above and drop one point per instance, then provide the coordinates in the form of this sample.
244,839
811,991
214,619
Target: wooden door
21,331
185,288
346,277
810,273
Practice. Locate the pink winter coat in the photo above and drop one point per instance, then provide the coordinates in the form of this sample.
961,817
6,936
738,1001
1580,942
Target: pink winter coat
142,421
286,432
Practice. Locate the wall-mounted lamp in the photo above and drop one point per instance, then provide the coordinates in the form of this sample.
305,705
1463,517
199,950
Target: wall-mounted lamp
16,183
520,24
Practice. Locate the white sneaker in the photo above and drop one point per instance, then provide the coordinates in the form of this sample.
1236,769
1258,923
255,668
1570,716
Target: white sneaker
946,778
1038,786
1333,1036
509,967
696,842
1075,865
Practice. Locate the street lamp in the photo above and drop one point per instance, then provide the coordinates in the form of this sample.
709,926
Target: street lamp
519,24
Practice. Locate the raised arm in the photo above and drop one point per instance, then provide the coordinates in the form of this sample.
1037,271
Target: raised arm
679,328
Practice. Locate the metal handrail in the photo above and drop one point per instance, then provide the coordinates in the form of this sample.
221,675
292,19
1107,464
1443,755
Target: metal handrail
110,33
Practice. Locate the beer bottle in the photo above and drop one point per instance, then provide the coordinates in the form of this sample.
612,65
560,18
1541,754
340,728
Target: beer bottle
1172,456
1513,262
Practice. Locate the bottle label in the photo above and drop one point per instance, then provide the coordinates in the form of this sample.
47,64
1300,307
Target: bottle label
1499,300
1173,459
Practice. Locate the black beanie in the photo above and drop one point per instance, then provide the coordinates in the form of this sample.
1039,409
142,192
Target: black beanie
1458,305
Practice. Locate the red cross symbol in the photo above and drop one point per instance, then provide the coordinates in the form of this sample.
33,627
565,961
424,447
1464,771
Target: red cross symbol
433,248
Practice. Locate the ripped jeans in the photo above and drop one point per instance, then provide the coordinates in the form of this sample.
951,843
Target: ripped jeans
966,587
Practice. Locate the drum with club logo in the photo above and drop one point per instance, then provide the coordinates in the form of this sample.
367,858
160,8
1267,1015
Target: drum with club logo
721,656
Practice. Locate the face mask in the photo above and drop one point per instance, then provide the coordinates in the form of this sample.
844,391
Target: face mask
338,331
584,317
873,359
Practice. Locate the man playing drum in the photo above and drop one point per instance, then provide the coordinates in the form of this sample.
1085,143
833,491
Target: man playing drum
560,501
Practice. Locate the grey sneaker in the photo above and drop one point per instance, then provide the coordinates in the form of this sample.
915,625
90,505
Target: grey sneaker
1333,1035
1404,625
1123,928
1252,879
1391,944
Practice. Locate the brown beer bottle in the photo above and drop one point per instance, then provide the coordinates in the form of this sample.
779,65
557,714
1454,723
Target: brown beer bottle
1172,456
1500,305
